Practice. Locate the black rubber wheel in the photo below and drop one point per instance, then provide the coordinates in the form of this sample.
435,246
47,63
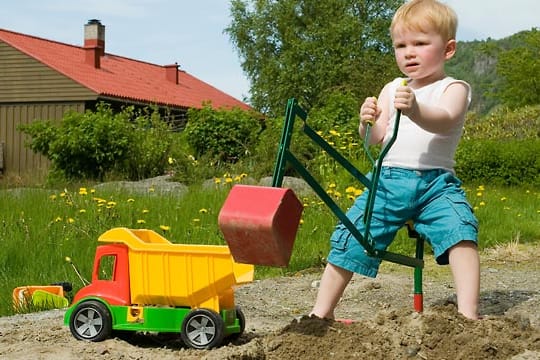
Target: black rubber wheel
242,322
91,321
241,319
203,329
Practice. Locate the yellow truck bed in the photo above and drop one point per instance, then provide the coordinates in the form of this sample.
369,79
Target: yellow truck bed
168,274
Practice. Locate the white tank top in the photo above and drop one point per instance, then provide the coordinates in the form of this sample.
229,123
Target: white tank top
416,148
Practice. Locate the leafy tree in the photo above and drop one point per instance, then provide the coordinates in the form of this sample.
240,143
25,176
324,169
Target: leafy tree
309,48
519,68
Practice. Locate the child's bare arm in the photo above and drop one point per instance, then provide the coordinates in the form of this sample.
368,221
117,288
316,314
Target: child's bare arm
436,118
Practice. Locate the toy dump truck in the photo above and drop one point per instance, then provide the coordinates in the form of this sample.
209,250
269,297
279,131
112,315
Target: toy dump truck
142,282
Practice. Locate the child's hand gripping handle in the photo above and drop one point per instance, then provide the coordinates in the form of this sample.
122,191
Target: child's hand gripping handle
390,142
370,123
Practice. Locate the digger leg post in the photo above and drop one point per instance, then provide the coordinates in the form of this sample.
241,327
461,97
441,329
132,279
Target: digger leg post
418,293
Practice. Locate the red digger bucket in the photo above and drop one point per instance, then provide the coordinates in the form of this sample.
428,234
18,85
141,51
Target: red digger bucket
259,224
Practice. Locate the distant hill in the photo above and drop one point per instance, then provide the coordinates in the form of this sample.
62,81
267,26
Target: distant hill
476,63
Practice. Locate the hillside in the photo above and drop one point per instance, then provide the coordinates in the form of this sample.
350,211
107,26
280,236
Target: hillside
476,62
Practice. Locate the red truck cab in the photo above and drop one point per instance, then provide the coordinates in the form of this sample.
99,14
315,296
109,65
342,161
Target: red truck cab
110,276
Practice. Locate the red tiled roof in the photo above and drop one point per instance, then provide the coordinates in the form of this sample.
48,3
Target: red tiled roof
121,77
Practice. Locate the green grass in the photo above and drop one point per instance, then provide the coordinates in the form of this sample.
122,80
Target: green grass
40,228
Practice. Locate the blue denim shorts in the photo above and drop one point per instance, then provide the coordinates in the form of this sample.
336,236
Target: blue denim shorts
433,199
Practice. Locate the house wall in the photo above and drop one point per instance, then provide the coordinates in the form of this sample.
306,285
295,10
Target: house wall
17,158
30,91
24,79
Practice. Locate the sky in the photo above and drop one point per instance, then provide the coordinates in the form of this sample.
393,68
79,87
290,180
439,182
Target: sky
190,32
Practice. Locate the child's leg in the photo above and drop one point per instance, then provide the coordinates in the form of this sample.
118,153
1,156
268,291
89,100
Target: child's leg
333,283
465,265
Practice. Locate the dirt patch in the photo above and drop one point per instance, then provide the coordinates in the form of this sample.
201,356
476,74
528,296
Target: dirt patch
384,327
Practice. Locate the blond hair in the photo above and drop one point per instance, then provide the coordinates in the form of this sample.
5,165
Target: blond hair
426,15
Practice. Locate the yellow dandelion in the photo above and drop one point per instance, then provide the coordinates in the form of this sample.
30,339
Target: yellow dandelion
58,219
503,198
476,208
350,197
358,192
237,178
228,180
479,194
141,221
217,180
130,200
301,221
480,188
151,189
334,132
350,189
243,175
482,203
52,197
82,211
111,203
145,211
170,160
83,191
164,227
71,220
62,194
203,211
332,185
196,220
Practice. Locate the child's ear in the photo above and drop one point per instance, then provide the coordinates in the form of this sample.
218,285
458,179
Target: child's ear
450,49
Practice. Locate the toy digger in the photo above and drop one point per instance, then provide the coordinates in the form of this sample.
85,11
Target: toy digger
263,232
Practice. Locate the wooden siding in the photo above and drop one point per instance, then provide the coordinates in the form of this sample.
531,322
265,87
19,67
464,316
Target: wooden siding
24,79
18,159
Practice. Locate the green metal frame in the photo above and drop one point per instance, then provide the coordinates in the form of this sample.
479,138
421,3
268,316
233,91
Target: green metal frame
284,155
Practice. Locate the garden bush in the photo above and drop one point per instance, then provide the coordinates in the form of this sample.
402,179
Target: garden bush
225,135
501,162
502,147
504,123
133,144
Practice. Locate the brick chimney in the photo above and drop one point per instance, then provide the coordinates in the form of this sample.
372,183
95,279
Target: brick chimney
171,73
94,42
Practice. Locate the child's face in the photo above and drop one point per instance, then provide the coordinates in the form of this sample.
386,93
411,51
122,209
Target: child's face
421,55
